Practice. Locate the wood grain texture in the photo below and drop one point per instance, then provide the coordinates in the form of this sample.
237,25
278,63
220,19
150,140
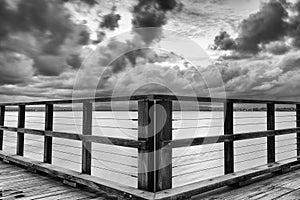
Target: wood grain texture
200,187
20,135
86,167
146,129
226,138
2,118
151,97
228,145
108,187
48,139
270,138
163,117
17,183
87,138
281,187
298,125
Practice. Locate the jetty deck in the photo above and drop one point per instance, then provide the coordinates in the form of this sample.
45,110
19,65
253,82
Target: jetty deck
18,183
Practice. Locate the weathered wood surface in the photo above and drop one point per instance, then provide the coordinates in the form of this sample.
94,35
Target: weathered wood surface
281,187
201,187
74,136
271,139
146,156
48,127
228,146
87,130
178,143
18,183
149,97
97,183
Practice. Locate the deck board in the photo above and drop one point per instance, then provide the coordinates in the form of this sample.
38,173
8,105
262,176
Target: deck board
18,183
284,186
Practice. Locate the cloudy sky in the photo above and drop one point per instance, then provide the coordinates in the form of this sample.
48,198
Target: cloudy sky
81,48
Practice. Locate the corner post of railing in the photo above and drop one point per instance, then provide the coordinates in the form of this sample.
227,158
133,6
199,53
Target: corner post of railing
146,128
2,115
298,133
87,130
163,119
155,161
228,145
48,139
270,138
20,135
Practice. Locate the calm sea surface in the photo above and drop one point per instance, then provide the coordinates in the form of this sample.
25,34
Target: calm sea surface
190,164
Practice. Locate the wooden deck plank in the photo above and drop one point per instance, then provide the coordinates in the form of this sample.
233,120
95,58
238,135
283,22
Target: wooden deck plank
290,196
18,183
285,186
46,192
255,189
96,183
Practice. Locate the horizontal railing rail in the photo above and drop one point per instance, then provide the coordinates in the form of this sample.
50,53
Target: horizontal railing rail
85,138
227,138
152,97
155,142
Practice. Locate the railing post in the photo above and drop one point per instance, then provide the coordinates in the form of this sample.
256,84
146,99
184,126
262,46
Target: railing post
298,133
271,139
155,162
146,173
87,130
228,146
2,115
163,119
20,136
48,139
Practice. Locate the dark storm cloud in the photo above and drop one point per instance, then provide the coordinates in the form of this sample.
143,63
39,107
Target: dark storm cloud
40,30
223,41
47,17
88,2
14,69
49,65
262,27
151,14
74,60
267,25
111,20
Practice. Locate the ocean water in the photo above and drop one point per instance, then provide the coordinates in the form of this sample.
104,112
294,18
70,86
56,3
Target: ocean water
190,164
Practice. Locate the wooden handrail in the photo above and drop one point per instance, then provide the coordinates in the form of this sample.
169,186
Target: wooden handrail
227,138
86,138
151,97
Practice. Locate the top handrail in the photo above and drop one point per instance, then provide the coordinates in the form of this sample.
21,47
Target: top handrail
151,97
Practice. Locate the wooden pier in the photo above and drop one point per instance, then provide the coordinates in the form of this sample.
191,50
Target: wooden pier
155,149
